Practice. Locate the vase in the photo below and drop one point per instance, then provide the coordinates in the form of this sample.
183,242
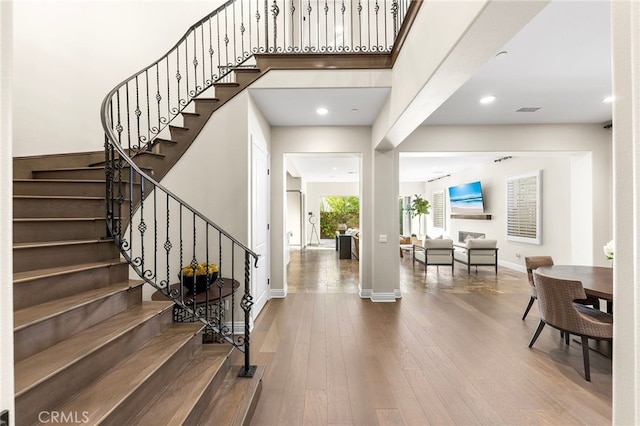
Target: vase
199,284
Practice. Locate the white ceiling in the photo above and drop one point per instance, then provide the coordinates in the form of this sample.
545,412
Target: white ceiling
560,62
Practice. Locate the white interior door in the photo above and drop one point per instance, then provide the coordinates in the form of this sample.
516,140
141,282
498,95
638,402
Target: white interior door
260,227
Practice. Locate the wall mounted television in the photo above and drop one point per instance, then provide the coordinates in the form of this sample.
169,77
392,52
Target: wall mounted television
466,199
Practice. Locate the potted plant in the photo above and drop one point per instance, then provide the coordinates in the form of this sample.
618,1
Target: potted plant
419,207
197,277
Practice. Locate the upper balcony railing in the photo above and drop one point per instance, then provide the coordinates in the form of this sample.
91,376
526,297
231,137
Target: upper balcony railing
157,232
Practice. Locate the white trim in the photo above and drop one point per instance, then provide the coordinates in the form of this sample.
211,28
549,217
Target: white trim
238,327
365,293
278,293
397,293
514,266
383,297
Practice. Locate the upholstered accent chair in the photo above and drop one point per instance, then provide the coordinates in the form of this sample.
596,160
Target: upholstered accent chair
558,309
477,252
436,252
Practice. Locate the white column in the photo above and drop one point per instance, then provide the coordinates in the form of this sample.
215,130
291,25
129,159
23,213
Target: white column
385,279
625,20
6,214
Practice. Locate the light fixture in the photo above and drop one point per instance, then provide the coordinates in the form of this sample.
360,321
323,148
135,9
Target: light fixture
488,99
501,54
322,111
608,99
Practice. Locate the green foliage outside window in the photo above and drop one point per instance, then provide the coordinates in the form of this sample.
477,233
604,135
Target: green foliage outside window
336,210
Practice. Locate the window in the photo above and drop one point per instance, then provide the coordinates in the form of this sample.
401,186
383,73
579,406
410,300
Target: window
438,209
524,208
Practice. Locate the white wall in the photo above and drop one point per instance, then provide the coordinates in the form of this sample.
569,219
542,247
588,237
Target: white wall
6,215
583,141
557,235
213,177
625,19
69,53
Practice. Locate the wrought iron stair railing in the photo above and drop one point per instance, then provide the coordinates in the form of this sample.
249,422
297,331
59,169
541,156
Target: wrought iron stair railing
157,232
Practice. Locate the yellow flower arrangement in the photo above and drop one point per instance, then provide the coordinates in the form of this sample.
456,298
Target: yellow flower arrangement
201,269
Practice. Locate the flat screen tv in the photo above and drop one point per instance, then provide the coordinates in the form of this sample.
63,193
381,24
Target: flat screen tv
466,199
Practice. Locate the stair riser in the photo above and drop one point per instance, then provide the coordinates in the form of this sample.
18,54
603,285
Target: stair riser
31,258
148,390
84,174
244,77
54,207
44,187
43,231
206,106
226,92
45,289
165,147
201,406
39,336
181,134
61,386
195,121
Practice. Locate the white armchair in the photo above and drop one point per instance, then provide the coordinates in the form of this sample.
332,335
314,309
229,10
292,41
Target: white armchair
477,252
436,252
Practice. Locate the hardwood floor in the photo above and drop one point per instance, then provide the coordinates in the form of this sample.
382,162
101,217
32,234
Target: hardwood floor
453,350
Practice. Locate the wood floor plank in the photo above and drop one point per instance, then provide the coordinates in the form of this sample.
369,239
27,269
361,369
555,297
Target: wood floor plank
453,351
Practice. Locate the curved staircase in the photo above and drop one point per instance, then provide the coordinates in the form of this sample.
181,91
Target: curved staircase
88,349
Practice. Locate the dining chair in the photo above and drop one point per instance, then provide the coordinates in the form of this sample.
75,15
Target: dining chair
534,262
558,309
531,263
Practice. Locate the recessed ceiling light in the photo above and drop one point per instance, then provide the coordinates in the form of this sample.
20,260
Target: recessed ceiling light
487,99
354,110
608,99
501,54
322,111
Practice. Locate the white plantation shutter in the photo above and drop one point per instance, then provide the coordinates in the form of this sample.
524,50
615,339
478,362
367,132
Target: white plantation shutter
524,208
438,209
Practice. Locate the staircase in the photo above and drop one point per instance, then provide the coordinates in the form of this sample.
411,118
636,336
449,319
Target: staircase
87,347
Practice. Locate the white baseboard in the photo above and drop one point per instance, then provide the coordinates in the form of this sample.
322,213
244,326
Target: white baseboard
279,293
514,266
380,297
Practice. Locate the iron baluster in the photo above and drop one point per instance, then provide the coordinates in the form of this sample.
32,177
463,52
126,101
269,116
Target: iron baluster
326,24
242,29
226,42
158,99
275,11
204,62
247,370
266,25
168,246
146,75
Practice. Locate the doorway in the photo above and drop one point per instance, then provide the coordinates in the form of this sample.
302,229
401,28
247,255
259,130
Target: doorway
311,178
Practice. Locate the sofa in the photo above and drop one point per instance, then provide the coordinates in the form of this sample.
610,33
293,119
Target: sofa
435,252
477,252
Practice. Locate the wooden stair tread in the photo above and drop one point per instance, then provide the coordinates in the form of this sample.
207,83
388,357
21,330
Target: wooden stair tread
37,368
19,277
57,197
238,392
57,243
105,394
194,378
62,180
56,219
34,314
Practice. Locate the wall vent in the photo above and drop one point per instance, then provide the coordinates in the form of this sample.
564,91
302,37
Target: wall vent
528,109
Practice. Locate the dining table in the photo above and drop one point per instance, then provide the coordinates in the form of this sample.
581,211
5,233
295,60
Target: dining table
596,280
